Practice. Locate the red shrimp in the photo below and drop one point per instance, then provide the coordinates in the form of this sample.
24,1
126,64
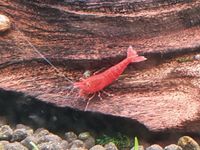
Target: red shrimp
99,81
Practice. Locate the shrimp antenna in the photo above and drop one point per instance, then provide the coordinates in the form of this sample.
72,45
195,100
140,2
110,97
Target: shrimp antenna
38,52
72,90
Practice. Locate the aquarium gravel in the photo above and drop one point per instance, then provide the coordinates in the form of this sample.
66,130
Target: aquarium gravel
22,137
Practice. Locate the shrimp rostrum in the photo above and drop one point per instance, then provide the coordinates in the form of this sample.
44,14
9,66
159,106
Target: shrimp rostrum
98,82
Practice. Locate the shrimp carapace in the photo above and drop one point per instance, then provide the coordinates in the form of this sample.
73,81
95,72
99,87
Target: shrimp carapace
99,81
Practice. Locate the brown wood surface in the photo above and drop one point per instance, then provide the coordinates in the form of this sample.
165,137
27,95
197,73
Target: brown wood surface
80,35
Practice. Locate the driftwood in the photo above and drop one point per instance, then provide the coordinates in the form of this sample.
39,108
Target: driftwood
161,93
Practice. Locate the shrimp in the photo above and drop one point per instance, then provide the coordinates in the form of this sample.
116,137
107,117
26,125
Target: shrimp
98,82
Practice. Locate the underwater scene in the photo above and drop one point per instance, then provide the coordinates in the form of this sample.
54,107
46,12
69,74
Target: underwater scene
99,75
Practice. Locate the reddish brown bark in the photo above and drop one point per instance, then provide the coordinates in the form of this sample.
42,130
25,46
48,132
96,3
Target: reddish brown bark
77,36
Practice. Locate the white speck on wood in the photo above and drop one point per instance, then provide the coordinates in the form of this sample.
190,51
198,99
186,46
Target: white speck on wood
4,23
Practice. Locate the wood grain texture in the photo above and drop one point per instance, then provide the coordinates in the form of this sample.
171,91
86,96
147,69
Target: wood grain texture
79,35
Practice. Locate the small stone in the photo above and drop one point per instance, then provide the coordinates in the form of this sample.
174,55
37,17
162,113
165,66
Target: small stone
41,132
80,148
87,139
90,142
87,74
64,144
140,147
197,57
154,147
48,138
19,135
77,144
110,146
21,126
28,129
14,146
5,23
84,135
5,133
97,147
70,136
50,146
27,141
187,143
173,147
2,144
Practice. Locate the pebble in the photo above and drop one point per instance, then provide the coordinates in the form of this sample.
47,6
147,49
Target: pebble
19,135
2,144
110,146
48,138
21,126
51,146
5,23
64,144
29,131
80,148
27,140
90,142
154,147
6,133
87,139
173,147
140,147
14,146
187,143
97,147
77,144
70,136
41,132
84,135
87,74
23,138
196,57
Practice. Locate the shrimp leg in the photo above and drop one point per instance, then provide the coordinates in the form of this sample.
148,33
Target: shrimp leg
99,95
106,93
88,101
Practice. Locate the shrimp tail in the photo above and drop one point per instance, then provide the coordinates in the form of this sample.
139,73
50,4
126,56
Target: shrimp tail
132,54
